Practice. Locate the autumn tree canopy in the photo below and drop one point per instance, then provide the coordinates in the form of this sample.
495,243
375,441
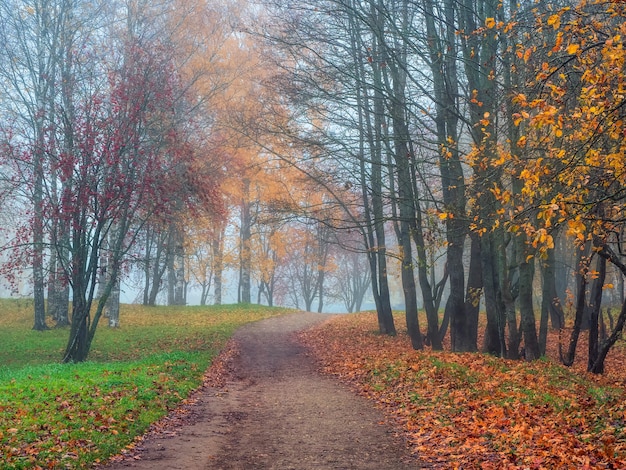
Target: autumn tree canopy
467,154
502,121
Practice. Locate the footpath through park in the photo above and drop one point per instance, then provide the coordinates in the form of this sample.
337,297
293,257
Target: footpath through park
273,411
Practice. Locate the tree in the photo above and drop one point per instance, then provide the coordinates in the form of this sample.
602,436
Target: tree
352,277
126,141
574,133
35,38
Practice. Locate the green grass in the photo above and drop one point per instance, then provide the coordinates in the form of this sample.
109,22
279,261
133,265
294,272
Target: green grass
56,415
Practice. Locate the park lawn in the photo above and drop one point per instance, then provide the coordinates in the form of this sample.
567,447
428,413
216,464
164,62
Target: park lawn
477,411
56,415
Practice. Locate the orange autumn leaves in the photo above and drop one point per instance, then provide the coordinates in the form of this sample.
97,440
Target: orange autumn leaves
477,411
568,157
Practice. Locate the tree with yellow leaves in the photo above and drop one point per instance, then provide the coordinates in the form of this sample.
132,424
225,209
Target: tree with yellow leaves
572,170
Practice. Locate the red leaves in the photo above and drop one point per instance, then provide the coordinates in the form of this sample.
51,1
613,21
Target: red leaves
477,411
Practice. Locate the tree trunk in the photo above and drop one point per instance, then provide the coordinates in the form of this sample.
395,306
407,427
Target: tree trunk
528,327
147,265
77,348
550,303
506,290
474,291
113,305
371,182
445,87
159,262
582,266
205,293
38,244
58,288
176,266
494,333
320,289
217,251
390,71
245,260
595,304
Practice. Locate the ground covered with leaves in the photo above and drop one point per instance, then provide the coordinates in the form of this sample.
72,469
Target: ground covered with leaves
478,411
56,415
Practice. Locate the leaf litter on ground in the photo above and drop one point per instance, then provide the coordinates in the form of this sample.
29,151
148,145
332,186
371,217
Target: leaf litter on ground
474,410
56,415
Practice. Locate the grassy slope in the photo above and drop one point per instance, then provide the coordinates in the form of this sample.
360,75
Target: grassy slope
71,416
476,411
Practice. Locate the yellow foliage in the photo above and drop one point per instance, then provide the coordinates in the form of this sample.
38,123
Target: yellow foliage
573,49
555,21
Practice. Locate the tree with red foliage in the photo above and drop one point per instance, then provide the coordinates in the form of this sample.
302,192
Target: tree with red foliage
129,164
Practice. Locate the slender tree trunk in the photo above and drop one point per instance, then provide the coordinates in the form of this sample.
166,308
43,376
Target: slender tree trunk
38,247
320,289
177,264
582,263
595,304
528,327
480,55
159,261
550,303
244,247
171,272
58,288
217,248
445,88
113,305
406,199
371,182
494,333
204,294
147,265
473,292
506,292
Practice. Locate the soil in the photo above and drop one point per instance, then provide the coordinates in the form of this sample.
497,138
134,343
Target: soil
264,405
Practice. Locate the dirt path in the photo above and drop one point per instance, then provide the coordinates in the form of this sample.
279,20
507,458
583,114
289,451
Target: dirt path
274,412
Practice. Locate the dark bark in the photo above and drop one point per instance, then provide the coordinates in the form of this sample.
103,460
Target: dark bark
527,325
370,122
408,211
551,308
616,329
582,263
595,305
495,342
442,53
58,288
509,287
473,292
480,54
